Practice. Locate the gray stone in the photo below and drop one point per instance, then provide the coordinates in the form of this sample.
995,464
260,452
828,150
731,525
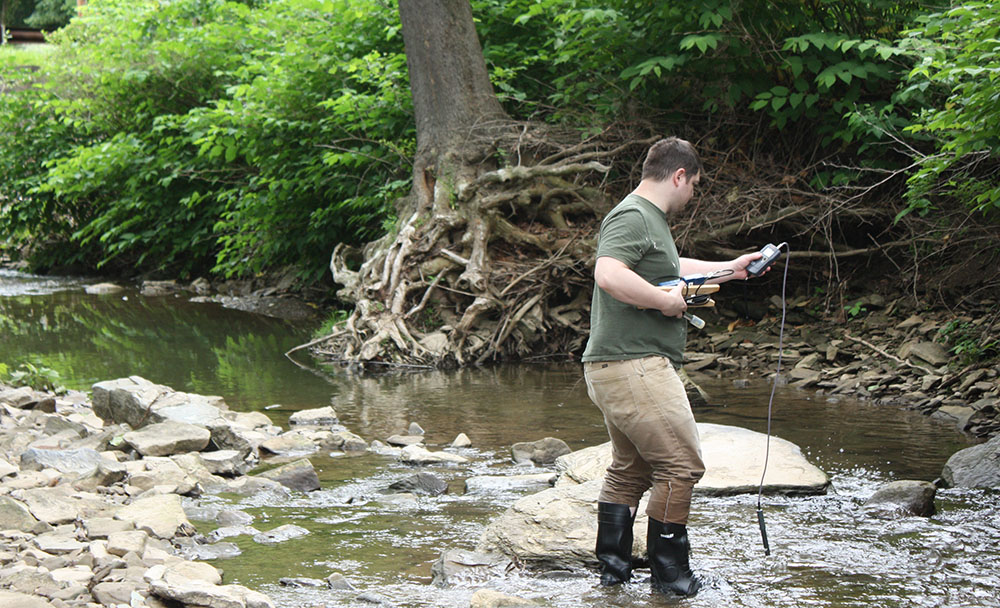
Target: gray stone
98,289
486,484
14,515
7,468
542,452
12,599
425,484
339,582
137,402
21,397
957,414
405,440
488,598
299,476
228,463
161,516
60,504
975,467
461,441
154,471
415,429
225,532
351,442
252,486
116,593
232,517
159,288
280,534
107,473
373,598
554,527
460,566
929,352
904,497
292,443
125,399
103,527
415,454
323,416
182,571
120,543
302,583
200,593
223,550
227,435
168,438
82,461
58,543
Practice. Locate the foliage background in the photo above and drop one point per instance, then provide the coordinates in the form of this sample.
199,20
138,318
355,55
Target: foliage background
197,137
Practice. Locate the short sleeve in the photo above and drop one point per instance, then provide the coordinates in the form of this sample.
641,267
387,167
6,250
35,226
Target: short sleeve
624,237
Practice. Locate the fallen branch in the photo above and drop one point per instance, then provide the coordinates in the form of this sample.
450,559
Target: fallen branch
885,354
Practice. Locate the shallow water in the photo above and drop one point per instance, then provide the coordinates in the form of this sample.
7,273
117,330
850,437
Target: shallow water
825,550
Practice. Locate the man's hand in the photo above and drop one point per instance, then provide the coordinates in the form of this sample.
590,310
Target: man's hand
740,264
674,304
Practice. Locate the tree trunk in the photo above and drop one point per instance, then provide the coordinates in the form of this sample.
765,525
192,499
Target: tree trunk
452,93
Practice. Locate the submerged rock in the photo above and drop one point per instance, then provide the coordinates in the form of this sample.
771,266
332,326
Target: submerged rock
906,496
425,484
483,484
414,454
488,598
459,566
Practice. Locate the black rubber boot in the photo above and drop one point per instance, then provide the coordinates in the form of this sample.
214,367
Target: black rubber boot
668,548
614,542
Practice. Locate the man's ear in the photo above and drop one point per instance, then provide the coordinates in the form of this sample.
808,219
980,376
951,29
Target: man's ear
678,177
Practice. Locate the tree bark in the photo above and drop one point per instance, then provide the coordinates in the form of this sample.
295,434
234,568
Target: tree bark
451,88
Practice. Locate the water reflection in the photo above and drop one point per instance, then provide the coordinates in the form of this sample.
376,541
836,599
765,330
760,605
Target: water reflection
200,348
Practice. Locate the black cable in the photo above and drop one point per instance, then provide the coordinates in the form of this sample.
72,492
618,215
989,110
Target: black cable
770,406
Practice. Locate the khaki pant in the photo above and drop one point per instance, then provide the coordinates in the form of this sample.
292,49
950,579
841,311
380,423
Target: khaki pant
653,435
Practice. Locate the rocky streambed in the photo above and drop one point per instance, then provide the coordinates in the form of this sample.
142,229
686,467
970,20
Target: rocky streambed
100,494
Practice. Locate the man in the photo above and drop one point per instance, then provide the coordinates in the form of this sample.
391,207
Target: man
636,345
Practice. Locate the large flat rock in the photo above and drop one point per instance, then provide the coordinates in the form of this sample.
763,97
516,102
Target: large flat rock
734,462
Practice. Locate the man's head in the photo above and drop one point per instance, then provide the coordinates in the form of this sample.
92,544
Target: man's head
670,173
668,155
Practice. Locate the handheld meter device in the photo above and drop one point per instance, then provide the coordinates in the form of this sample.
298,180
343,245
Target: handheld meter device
770,254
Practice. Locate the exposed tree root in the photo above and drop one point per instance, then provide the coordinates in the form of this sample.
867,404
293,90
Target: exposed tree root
493,254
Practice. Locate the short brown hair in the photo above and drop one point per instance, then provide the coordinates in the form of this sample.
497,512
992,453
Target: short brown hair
667,156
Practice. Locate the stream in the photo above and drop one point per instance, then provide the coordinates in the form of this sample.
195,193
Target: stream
825,550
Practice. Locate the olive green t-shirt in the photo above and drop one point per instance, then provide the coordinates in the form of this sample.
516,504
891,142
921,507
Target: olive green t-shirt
636,233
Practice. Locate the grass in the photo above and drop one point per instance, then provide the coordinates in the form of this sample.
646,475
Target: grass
16,55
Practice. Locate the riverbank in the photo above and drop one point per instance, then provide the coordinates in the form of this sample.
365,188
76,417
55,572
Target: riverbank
885,351
888,352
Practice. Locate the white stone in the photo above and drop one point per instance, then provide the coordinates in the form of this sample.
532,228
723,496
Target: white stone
414,454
